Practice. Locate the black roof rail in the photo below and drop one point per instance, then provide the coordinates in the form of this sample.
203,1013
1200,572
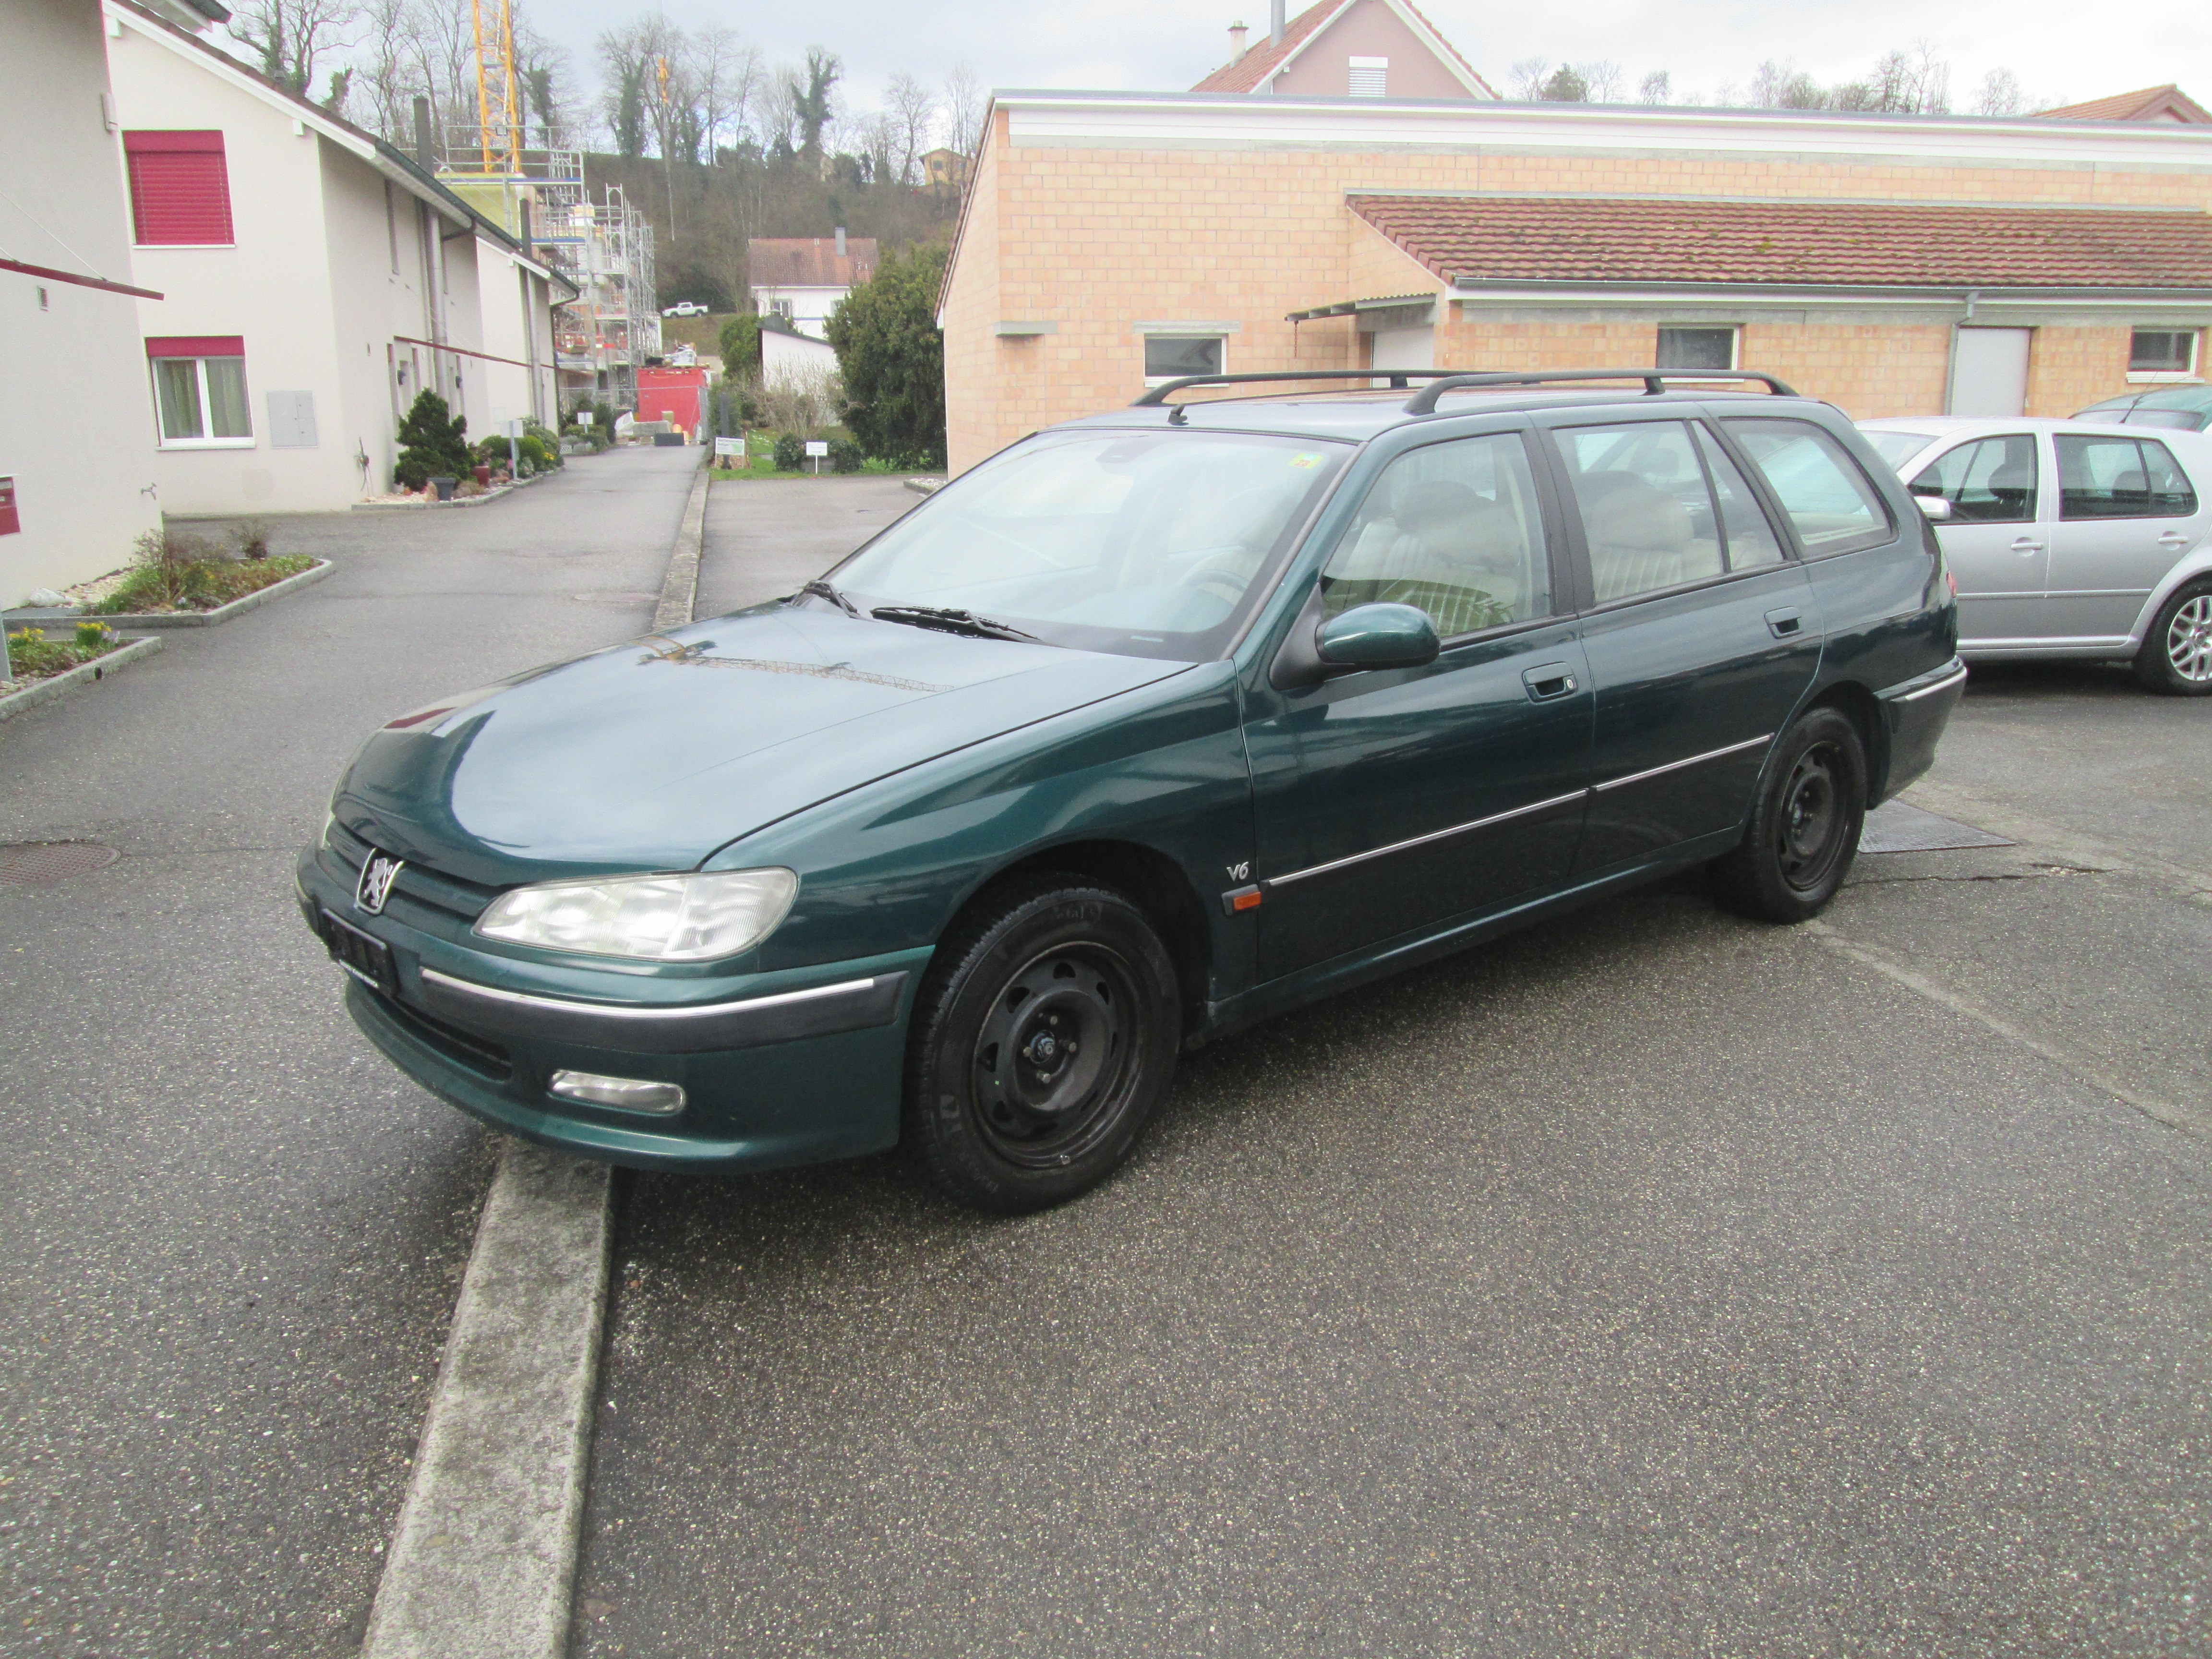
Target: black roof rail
1423,402
1399,379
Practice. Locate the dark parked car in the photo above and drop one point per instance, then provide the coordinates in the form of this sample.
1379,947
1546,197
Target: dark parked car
2177,408
1154,725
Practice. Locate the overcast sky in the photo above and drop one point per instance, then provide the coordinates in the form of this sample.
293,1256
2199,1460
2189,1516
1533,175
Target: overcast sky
2060,49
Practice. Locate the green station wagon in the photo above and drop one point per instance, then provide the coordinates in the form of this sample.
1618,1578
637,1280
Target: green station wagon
1156,724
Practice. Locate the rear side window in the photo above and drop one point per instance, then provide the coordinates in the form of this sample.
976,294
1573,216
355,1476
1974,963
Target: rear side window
1990,481
1454,529
1749,540
2118,477
1834,505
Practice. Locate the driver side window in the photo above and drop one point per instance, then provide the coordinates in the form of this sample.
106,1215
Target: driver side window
1453,529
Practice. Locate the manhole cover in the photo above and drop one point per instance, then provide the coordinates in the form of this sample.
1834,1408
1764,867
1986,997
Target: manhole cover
43,863
1893,827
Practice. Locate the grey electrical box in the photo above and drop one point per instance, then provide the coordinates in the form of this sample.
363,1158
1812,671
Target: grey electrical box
292,420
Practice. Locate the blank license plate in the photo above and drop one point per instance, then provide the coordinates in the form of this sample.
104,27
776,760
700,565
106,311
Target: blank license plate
368,958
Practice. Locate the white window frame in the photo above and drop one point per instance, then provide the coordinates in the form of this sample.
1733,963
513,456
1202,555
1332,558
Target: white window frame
1735,342
163,440
2165,376
1147,332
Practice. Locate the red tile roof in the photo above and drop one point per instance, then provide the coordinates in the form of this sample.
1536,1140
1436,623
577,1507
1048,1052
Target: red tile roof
1260,62
808,261
2148,105
1649,239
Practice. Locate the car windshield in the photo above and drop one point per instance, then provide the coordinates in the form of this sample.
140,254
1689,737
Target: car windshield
1138,543
1897,447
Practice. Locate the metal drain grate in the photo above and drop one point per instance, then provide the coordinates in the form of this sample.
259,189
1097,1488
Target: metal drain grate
1893,827
43,863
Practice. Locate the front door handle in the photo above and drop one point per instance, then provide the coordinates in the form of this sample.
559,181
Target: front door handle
1786,624
2025,545
1547,681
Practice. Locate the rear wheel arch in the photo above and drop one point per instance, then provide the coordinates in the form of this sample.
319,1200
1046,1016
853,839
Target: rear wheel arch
1863,709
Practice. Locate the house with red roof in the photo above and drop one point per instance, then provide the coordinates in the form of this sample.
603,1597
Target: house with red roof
1347,49
1292,213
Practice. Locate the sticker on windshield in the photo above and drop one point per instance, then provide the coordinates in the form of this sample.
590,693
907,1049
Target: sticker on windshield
1305,461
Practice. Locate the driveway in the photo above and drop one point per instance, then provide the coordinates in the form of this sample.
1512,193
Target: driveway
234,1232
1651,1282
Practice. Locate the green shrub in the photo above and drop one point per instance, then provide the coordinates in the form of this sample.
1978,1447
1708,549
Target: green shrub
844,456
537,455
495,451
892,358
790,452
434,444
174,572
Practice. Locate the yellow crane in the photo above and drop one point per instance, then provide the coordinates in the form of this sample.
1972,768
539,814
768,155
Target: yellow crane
499,123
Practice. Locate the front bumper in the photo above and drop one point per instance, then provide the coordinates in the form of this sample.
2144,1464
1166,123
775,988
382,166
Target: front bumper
1916,711
777,1069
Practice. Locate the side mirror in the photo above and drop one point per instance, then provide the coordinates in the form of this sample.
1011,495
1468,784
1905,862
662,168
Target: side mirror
1379,637
1936,508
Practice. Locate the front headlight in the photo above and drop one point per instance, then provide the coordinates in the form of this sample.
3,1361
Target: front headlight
651,918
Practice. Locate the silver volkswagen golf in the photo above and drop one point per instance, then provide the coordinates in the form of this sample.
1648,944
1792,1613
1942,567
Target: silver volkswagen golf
2069,539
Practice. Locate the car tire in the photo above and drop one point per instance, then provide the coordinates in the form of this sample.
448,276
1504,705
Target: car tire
1804,824
1044,1037
2176,657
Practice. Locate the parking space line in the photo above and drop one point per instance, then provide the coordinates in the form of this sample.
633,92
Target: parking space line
483,1564
1882,963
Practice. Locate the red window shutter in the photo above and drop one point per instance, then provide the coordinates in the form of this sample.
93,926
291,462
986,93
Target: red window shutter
180,188
196,346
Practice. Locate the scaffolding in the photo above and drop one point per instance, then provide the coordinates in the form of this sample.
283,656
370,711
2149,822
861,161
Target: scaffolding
540,196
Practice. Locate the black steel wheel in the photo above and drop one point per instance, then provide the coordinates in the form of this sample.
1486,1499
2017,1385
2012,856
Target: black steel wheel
1805,824
2176,657
1042,1039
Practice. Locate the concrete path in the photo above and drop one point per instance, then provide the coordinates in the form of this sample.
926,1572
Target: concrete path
235,1232
1654,1282
764,538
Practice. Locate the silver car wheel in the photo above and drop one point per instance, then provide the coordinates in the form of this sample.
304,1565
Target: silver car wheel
2189,639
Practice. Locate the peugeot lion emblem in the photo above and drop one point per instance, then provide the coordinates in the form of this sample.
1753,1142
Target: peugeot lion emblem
376,879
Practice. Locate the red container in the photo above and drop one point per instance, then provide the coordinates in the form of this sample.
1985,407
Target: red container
484,475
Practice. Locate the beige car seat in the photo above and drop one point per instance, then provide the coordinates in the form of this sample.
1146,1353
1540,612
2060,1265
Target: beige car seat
1638,534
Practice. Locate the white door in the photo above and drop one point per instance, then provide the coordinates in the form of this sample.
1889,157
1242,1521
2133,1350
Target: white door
1989,371
1405,347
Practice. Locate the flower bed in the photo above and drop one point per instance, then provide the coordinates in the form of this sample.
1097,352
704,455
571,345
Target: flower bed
176,572
34,657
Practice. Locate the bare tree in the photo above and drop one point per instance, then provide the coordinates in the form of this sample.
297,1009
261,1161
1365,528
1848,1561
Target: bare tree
1528,76
1603,81
2000,94
290,36
726,78
911,109
965,105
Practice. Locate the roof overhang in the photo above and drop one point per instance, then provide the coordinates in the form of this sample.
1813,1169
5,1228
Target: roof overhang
1423,31
1356,307
1236,121
1830,295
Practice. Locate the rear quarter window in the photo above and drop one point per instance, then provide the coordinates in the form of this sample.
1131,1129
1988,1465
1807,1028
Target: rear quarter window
1830,501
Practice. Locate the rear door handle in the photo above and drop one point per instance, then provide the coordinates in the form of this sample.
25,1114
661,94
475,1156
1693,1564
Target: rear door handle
2024,545
1548,680
2174,540
1785,625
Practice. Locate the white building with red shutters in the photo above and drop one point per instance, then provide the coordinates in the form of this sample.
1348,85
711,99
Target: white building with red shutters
315,280
76,454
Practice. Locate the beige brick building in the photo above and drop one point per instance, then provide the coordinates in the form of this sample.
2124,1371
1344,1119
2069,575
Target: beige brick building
1111,239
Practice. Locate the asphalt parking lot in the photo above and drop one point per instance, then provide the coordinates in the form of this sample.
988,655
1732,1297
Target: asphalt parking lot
1653,1282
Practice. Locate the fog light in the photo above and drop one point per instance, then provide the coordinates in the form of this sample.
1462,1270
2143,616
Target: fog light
624,1094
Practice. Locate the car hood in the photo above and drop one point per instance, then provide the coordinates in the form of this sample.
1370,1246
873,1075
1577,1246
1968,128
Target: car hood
649,755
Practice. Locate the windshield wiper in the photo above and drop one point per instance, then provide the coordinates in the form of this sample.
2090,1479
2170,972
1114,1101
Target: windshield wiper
821,589
965,623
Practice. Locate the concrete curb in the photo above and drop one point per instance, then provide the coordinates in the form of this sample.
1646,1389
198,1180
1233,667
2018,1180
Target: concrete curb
483,1561
168,619
924,486
45,691
499,495
679,588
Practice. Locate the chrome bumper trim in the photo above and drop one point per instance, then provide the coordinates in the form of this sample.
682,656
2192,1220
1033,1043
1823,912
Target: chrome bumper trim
819,1010
1944,685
